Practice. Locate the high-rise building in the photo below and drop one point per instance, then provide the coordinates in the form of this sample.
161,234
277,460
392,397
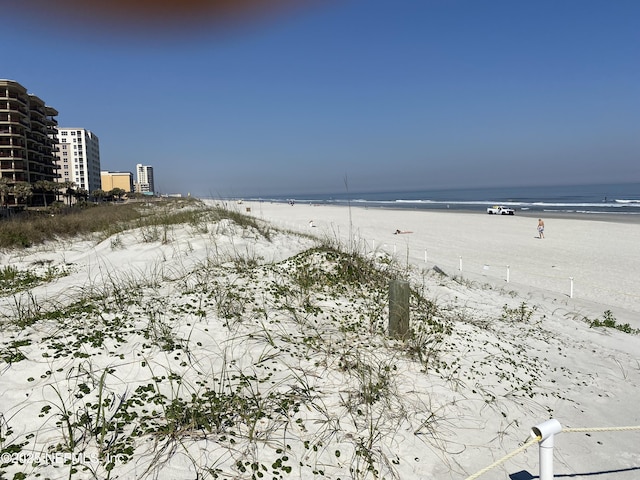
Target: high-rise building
28,139
79,158
144,179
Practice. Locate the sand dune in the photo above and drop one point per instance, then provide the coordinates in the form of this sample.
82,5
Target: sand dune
184,351
602,257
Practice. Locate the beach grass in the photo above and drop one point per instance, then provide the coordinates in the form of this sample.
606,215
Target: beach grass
275,309
237,364
155,217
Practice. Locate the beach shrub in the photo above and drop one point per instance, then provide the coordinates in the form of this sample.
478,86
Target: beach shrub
609,321
427,330
521,313
14,280
328,266
12,353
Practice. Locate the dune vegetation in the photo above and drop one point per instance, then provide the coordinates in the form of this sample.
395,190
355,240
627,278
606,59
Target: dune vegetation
175,339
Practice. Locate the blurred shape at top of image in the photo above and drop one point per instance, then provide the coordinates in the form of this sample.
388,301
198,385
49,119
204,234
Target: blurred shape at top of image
157,17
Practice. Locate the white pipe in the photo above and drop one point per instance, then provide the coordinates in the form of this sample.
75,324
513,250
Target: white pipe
546,431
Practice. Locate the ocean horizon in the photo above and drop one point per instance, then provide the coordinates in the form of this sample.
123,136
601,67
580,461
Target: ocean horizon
618,198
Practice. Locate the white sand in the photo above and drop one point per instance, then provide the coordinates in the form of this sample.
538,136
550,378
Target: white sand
602,257
494,379
592,376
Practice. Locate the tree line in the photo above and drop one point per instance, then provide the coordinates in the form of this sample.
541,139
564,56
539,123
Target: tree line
40,192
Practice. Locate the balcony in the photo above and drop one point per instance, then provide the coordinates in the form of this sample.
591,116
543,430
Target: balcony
11,142
36,120
12,164
10,154
14,96
38,134
13,130
11,107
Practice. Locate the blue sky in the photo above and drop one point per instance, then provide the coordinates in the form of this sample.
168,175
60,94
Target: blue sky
389,94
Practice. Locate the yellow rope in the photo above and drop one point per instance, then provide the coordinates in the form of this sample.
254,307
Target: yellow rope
526,445
601,429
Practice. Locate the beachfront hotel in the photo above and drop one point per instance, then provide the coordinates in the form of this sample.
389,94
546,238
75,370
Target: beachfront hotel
78,158
111,180
144,179
28,143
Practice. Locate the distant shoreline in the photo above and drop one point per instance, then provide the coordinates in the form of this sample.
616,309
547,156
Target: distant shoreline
599,217
590,217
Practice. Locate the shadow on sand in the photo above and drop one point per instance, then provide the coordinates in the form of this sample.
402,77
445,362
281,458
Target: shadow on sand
524,475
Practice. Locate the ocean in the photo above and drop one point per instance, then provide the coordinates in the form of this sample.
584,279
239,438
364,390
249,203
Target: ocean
615,199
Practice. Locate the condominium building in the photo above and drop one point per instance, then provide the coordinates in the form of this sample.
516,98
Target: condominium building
79,158
144,179
27,143
111,180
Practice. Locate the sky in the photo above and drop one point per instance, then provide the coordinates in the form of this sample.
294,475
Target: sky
360,95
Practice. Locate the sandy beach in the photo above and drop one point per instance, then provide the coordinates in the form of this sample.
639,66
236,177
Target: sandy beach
585,263
217,347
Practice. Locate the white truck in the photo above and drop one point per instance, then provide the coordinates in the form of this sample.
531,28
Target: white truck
500,210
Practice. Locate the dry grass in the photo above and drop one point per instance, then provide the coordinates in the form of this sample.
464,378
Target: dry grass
36,227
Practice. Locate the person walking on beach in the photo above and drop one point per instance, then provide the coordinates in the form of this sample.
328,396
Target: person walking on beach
540,228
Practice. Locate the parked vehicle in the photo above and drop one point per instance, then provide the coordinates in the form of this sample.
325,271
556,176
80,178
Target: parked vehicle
500,210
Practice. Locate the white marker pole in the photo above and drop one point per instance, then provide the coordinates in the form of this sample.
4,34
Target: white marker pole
460,267
546,432
507,273
571,288
425,255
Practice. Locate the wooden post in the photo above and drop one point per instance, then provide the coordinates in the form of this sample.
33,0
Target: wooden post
399,309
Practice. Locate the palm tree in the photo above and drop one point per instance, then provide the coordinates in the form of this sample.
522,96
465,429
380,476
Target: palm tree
81,194
67,189
5,189
45,186
118,193
98,194
22,191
